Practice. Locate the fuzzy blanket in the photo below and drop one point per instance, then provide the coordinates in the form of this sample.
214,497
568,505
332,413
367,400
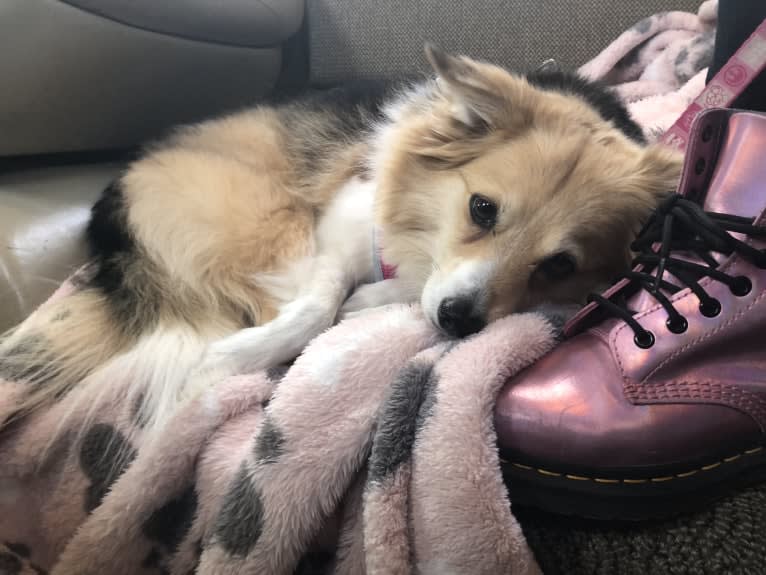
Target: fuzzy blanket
658,66
376,443
373,453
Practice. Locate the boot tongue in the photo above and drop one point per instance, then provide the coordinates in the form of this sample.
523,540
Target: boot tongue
737,186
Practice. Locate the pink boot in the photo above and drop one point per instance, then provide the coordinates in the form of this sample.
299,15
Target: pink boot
657,401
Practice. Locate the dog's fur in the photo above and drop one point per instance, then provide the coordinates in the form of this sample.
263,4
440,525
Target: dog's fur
230,246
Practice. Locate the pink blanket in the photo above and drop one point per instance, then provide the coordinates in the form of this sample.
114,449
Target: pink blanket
373,453
659,65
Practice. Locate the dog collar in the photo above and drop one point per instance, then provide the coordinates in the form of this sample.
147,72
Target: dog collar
381,270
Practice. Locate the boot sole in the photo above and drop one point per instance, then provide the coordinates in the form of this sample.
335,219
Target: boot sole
658,495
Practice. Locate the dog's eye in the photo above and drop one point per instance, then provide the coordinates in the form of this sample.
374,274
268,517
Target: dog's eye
483,211
559,266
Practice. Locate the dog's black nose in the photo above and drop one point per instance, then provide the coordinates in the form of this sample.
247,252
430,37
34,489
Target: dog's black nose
458,316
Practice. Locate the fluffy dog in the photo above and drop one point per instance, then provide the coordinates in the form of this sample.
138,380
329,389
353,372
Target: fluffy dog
229,246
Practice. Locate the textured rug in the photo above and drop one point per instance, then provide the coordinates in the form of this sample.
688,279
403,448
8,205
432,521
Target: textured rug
729,537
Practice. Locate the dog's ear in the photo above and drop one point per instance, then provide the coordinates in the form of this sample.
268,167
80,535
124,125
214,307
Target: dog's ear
659,169
655,175
481,95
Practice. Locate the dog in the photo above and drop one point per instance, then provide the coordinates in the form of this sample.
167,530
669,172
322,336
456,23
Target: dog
227,247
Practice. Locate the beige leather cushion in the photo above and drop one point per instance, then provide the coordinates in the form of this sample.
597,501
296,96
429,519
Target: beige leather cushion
43,212
233,22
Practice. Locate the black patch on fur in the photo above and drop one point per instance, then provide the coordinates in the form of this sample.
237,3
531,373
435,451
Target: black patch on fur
120,270
596,94
169,524
9,563
240,521
152,559
37,569
398,420
269,443
19,549
104,455
321,120
682,56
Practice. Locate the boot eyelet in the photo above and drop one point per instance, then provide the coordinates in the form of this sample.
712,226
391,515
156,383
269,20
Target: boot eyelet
678,326
699,167
741,286
707,133
644,340
710,308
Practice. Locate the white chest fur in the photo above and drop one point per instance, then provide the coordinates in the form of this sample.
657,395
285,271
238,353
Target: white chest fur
345,229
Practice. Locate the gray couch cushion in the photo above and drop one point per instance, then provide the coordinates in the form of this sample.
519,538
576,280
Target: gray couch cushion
236,22
373,38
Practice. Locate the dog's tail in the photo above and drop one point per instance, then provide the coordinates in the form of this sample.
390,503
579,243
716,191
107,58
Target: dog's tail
74,349
57,346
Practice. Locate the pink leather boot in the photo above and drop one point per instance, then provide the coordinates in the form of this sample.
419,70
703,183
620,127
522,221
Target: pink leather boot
656,402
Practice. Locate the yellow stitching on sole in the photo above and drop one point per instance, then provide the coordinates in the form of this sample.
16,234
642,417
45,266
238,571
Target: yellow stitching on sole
688,473
635,481
577,477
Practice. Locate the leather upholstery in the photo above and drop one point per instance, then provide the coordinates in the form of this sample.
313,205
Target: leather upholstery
235,22
42,215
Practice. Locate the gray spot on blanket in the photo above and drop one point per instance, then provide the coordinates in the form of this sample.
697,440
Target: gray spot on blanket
27,361
644,25
270,442
277,372
557,315
240,521
631,57
704,56
400,419
104,455
169,524
682,56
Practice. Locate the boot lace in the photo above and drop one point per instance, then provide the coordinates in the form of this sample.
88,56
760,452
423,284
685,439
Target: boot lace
680,225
